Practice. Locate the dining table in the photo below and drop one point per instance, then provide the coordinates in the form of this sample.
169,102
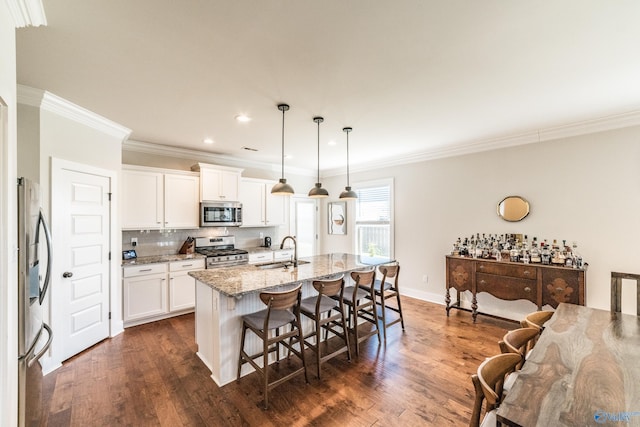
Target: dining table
584,370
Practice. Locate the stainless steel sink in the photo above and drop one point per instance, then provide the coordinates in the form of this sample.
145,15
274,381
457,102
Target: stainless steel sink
278,264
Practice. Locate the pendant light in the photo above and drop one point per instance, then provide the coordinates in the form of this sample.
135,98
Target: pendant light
282,188
318,192
348,193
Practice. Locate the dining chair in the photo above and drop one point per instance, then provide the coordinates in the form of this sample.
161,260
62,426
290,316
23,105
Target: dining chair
328,315
537,319
283,308
488,383
360,300
616,290
519,341
387,288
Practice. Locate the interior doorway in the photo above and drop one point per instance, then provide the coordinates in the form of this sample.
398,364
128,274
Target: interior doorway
304,224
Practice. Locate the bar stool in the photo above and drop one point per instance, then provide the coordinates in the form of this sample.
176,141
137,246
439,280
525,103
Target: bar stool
385,289
616,290
283,308
360,299
319,308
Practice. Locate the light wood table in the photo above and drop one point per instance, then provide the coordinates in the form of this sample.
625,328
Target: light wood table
584,371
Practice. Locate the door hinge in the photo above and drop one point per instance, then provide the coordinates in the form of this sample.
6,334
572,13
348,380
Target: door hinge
109,196
109,315
109,255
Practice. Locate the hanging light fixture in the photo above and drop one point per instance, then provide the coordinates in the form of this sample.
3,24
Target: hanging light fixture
282,188
318,192
348,193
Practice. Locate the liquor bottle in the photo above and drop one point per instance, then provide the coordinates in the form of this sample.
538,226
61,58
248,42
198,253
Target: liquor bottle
577,257
535,253
545,254
514,253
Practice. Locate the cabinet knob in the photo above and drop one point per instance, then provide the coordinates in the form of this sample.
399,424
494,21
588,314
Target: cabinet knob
527,289
67,274
482,282
527,272
481,267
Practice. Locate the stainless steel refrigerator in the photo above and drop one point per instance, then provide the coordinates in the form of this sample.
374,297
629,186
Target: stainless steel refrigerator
34,336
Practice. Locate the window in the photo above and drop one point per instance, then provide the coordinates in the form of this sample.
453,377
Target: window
374,218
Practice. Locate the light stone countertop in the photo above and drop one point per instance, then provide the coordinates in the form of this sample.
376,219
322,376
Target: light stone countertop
156,259
245,279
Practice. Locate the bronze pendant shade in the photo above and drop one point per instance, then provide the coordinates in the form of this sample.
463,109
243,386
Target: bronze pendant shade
318,192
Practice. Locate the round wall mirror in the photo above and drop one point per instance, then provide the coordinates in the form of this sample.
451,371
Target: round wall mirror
513,208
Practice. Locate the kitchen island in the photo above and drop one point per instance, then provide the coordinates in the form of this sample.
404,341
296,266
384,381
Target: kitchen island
224,295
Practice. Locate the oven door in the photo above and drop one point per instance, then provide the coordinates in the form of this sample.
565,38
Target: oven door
220,214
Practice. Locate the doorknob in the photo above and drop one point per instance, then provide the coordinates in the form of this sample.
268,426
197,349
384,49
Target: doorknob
67,274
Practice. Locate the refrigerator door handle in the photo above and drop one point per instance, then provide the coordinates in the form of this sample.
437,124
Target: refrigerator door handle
47,234
44,349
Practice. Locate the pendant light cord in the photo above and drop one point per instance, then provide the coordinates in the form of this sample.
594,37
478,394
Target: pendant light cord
283,110
348,185
318,121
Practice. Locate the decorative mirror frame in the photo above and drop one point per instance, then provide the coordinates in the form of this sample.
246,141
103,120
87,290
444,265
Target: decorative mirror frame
337,217
506,208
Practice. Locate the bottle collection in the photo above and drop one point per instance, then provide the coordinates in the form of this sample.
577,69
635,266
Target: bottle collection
516,248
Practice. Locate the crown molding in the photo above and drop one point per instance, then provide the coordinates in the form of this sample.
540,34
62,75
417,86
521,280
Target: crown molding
27,13
52,103
585,127
206,157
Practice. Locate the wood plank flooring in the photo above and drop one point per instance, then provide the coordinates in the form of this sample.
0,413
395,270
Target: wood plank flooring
150,376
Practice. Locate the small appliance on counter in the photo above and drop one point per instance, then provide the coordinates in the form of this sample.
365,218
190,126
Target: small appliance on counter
267,242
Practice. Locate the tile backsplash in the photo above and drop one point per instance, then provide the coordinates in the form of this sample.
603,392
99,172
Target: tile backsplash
168,242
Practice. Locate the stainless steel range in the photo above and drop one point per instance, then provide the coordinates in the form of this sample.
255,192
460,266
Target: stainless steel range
220,251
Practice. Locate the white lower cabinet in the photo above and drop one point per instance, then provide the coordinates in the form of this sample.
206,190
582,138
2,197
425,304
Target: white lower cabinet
156,291
257,257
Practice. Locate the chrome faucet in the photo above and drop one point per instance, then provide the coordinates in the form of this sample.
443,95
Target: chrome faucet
295,249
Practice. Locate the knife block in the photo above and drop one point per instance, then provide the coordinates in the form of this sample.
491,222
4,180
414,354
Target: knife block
188,247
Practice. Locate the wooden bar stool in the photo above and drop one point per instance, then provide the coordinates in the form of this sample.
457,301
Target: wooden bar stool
616,290
283,308
319,308
387,288
360,299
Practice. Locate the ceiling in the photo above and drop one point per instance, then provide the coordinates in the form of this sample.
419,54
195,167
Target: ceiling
412,77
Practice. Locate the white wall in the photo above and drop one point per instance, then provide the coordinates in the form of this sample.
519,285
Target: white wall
584,188
8,225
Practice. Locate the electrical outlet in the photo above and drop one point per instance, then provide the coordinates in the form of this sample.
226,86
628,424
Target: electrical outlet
261,235
425,278
134,241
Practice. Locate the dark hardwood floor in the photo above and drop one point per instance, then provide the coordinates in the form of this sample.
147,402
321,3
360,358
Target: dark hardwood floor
150,376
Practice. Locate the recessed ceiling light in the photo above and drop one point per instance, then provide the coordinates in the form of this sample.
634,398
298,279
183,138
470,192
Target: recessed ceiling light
332,142
243,118
208,141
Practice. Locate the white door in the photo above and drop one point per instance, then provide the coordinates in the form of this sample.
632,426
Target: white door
81,215
306,227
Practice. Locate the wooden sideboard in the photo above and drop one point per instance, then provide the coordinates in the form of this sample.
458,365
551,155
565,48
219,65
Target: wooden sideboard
540,284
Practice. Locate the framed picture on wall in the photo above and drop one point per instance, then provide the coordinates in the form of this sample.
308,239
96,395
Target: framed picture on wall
337,218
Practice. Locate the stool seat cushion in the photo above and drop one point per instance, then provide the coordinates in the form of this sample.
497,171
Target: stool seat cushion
277,319
377,285
308,305
348,294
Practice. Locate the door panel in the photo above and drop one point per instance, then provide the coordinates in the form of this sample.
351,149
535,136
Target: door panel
84,246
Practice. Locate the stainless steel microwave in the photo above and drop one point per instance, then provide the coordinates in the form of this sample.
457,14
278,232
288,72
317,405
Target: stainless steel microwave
220,214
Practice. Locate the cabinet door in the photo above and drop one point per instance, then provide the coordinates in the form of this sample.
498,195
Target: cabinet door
210,183
142,200
251,196
276,207
182,291
145,296
181,205
229,185
562,285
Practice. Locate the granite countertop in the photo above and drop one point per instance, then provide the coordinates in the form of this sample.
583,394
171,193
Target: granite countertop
156,259
245,279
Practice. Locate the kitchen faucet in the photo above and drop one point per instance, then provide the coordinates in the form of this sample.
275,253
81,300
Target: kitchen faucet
295,249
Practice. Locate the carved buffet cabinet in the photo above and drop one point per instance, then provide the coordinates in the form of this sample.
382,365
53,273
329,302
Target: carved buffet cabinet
540,284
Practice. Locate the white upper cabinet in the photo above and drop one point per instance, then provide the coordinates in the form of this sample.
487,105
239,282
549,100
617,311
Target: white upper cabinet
153,200
259,207
219,183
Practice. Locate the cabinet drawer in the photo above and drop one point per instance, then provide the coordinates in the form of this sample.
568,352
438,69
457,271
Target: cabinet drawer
260,257
507,288
141,270
187,264
523,271
283,255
